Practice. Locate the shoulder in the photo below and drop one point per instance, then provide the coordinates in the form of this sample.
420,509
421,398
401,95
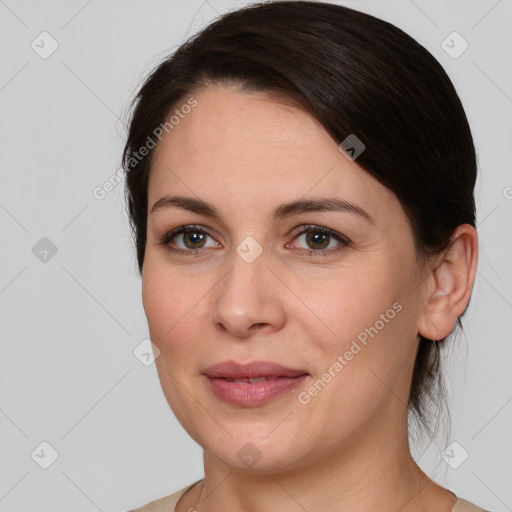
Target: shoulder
165,504
462,505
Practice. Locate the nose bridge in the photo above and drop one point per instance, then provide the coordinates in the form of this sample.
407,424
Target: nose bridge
245,296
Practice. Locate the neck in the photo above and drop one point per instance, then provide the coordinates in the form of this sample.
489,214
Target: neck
371,472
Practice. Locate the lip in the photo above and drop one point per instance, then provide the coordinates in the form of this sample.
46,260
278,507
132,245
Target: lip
252,370
280,379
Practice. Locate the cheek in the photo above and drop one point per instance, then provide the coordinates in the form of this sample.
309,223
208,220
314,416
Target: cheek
156,298
351,302
165,294
175,306
170,306
370,335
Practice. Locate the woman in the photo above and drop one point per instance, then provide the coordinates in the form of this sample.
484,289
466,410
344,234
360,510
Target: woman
300,184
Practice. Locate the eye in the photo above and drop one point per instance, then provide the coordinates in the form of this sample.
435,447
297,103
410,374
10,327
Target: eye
191,239
321,241
188,239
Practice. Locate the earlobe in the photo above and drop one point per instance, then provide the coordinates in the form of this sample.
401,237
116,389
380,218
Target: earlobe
452,281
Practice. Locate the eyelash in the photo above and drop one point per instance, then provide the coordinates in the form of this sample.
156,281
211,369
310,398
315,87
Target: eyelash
344,241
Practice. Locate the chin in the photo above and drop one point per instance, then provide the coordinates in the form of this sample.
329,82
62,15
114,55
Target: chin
251,448
253,457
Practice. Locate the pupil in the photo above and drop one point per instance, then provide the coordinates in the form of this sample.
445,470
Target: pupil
317,237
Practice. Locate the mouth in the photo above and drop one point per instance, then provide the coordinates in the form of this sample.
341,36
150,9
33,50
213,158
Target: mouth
253,383
251,370
251,380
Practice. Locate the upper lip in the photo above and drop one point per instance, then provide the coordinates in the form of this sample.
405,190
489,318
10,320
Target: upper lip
251,370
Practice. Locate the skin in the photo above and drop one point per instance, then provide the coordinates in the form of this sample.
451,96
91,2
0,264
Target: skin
347,449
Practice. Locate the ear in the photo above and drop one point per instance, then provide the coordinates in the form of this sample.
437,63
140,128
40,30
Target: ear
450,284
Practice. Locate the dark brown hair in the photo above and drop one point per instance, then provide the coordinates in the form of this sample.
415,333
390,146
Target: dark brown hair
356,74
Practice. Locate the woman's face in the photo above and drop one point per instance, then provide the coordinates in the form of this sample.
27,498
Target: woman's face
262,280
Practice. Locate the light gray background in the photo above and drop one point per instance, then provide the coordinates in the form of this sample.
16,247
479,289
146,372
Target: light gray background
69,325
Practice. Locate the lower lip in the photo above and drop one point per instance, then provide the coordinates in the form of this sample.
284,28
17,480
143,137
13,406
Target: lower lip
249,394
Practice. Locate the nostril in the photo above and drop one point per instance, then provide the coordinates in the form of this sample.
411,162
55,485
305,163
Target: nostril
253,326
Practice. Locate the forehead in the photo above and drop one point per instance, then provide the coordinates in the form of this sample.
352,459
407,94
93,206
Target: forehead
245,149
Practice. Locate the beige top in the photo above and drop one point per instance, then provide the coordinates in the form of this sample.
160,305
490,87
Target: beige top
168,503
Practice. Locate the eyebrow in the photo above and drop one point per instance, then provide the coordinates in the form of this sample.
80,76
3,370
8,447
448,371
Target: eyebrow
327,204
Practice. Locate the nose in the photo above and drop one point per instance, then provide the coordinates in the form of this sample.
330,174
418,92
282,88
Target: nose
248,299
